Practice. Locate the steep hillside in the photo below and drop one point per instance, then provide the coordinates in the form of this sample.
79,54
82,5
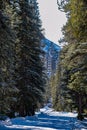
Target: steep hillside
52,51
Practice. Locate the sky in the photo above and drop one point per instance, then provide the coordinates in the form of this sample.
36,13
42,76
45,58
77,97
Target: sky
52,19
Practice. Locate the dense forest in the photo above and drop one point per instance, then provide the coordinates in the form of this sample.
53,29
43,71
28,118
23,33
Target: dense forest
70,88
23,80
22,76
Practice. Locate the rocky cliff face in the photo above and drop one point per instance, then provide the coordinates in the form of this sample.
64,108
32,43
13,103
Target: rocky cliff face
51,57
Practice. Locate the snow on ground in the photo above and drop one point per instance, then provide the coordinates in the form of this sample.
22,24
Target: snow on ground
51,112
46,119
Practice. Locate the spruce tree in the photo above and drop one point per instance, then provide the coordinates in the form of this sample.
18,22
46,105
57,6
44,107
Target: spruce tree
75,57
31,76
7,81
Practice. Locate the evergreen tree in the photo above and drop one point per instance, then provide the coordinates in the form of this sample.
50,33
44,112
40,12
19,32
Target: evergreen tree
74,60
21,64
31,81
7,82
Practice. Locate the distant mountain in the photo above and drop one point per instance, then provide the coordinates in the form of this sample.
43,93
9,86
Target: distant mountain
51,58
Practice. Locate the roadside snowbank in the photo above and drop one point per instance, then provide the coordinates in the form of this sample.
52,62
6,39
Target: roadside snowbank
46,119
51,112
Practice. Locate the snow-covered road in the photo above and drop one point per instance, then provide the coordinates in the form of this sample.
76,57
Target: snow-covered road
46,119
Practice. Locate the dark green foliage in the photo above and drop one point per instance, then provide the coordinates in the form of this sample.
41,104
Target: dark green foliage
30,70
73,60
72,80
7,81
20,58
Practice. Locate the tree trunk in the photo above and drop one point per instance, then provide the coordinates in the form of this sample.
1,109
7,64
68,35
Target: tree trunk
80,110
22,111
